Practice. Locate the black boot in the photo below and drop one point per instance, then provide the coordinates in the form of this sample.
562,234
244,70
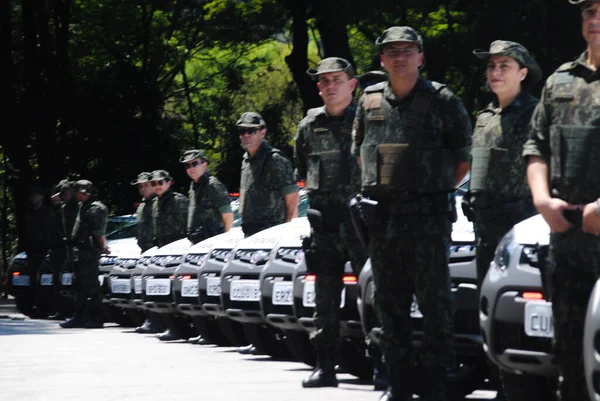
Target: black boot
436,384
197,340
248,350
380,381
95,317
399,388
168,335
146,328
75,321
324,374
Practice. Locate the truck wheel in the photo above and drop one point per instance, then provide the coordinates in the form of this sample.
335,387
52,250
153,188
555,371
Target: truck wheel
121,317
300,347
267,340
180,325
525,387
209,329
233,331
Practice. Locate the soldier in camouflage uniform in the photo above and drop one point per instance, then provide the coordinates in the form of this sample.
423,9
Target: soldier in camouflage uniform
60,254
145,232
498,194
268,192
332,175
210,211
143,214
169,215
413,137
89,243
564,177
169,210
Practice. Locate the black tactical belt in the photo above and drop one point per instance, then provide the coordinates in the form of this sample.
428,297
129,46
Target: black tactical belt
505,208
574,217
426,205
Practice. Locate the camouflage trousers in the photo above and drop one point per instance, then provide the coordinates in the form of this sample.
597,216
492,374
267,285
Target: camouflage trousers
576,259
332,250
413,263
86,284
488,234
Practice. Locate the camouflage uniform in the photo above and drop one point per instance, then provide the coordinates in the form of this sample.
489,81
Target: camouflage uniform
409,148
499,194
506,199
169,214
90,222
266,178
322,136
39,229
145,224
209,200
568,117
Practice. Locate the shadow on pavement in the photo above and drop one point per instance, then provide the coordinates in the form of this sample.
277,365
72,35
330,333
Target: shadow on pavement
14,326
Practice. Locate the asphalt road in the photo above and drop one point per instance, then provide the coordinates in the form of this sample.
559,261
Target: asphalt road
39,361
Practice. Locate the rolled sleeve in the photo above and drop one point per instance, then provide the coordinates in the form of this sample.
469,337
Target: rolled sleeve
225,209
538,143
301,152
358,128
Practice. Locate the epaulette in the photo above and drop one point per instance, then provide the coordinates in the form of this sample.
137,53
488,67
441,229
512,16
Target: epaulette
378,87
566,66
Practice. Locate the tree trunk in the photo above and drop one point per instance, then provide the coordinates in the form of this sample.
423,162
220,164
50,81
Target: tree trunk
297,60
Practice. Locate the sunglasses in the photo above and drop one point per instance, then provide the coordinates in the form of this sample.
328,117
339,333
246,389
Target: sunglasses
248,131
193,164
157,183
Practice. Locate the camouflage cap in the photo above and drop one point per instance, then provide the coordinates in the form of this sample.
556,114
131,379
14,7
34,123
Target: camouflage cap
85,187
141,178
192,154
160,175
515,51
371,78
251,119
400,34
64,186
331,64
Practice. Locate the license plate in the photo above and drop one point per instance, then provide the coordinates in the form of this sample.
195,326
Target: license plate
283,293
46,280
158,286
309,295
538,319
137,285
101,280
120,286
66,279
189,288
21,281
213,286
415,312
245,290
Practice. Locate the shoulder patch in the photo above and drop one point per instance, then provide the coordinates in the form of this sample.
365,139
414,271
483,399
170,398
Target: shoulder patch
378,87
566,66
437,86
373,100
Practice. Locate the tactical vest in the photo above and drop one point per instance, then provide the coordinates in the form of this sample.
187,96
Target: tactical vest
212,224
393,160
575,148
486,161
324,171
328,164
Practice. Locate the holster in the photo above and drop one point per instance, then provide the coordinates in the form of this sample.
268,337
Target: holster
467,208
547,267
197,235
359,221
310,256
